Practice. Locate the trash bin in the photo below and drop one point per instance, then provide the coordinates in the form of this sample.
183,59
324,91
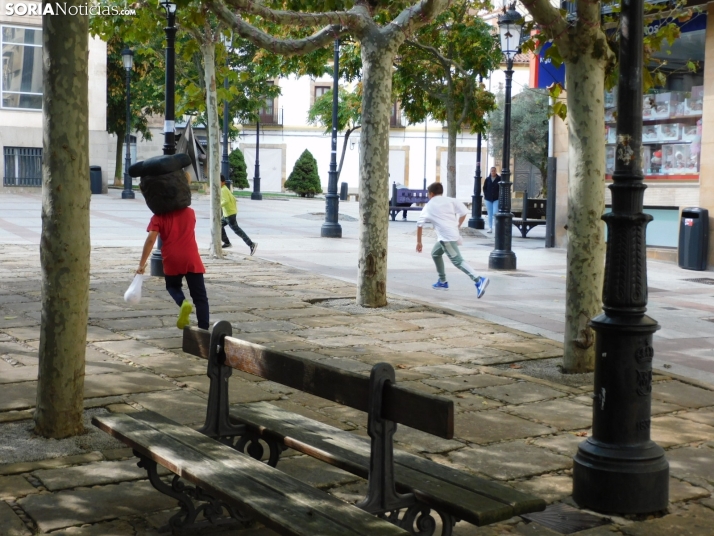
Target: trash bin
95,179
343,191
694,238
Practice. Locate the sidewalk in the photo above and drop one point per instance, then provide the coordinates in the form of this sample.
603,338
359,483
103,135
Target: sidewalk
518,420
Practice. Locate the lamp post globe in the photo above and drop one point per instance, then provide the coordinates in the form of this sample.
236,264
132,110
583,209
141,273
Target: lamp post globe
510,27
127,56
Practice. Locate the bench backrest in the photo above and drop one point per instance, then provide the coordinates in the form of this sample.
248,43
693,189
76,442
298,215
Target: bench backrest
536,209
412,196
425,412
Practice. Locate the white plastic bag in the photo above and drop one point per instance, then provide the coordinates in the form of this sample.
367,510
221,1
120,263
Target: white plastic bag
133,293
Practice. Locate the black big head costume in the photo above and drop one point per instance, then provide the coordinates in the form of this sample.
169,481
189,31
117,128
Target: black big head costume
164,182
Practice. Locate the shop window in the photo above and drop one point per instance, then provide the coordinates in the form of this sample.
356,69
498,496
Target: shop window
21,84
23,166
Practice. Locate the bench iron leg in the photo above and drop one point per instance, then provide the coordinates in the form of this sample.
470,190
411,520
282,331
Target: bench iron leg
418,520
214,511
256,449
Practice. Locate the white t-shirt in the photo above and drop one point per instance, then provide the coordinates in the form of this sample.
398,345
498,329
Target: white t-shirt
444,213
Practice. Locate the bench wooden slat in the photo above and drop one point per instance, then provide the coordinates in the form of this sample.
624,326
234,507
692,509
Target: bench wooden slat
272,497
471,498
425,412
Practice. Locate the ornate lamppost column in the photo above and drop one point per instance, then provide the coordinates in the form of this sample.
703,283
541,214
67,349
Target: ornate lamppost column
156,262
256,195
332,228
225,165
502,258
620,469
476,220
127,56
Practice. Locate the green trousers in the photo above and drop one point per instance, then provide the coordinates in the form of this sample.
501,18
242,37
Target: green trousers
452,251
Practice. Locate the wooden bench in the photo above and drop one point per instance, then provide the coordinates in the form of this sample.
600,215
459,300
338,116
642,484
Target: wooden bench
230,488
396,480
407,198
532,215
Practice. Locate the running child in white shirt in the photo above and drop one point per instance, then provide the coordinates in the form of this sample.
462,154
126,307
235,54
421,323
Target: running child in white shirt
443,212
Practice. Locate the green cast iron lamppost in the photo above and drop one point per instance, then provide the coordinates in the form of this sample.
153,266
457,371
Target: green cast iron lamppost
127,57
510,27
620,469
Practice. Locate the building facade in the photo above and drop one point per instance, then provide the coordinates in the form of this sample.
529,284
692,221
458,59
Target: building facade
21,102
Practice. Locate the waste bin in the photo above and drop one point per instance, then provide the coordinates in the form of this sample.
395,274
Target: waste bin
95,179
343,191
694,238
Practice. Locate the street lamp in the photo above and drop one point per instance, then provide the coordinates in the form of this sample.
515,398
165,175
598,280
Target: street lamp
157,263
620,469
127,56
476,220
256,195
225,166
332,228
510,26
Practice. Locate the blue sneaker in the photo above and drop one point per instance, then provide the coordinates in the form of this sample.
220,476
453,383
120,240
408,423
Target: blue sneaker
481,285
440,286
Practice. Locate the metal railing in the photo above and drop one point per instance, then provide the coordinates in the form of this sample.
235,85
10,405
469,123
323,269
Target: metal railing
23,166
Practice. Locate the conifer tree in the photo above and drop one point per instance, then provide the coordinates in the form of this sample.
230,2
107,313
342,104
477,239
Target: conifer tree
304,179
239,170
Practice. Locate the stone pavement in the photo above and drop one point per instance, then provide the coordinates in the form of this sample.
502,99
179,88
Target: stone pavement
518,420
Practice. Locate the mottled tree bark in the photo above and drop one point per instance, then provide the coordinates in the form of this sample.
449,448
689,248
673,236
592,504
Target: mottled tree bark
586,204
208,51
452,129
377,58
64,246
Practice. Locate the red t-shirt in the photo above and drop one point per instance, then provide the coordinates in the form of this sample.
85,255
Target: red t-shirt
179,250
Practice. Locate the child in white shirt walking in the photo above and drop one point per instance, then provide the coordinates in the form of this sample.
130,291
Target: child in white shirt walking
443,212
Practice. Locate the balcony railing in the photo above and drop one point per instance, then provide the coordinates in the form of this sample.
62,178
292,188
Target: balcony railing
269,118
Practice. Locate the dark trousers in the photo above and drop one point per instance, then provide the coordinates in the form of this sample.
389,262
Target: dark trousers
196,287
231,220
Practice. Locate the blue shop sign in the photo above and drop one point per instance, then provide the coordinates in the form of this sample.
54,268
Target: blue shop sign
548,74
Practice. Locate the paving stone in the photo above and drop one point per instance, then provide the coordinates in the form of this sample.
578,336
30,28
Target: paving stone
465,401
68,508
454,385
479,356
64,461
287,405
129,348
386,325
683,491
531,349
12,416
414,346
520,392
111,528
125,324
314,472
171,343
117,454
703,417
12,487
18,396
150,334
326,332
179,405
507,461
90,475
405,336
550,488
265,337
25,333
419,386
562,414
409,359
692,464
404,374
285,346
123,383
290,314
669,430
348,340
445,371
324,321
18,374
10,524
267,325
682,394
493,425
315,402
693,520
445,321
418,441
97,334
172,365
352,417
347,364
566,444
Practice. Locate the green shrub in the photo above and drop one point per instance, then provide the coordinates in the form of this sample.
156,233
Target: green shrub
239,171
304,179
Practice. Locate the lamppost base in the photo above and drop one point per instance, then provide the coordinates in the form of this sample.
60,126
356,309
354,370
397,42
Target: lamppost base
477,223
256,196
331,230
156,264
610,478
502,260
127,194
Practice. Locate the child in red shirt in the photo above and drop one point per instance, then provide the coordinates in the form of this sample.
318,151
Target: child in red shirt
181,259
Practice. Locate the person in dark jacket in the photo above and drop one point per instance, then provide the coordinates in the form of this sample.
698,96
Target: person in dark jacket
490,196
